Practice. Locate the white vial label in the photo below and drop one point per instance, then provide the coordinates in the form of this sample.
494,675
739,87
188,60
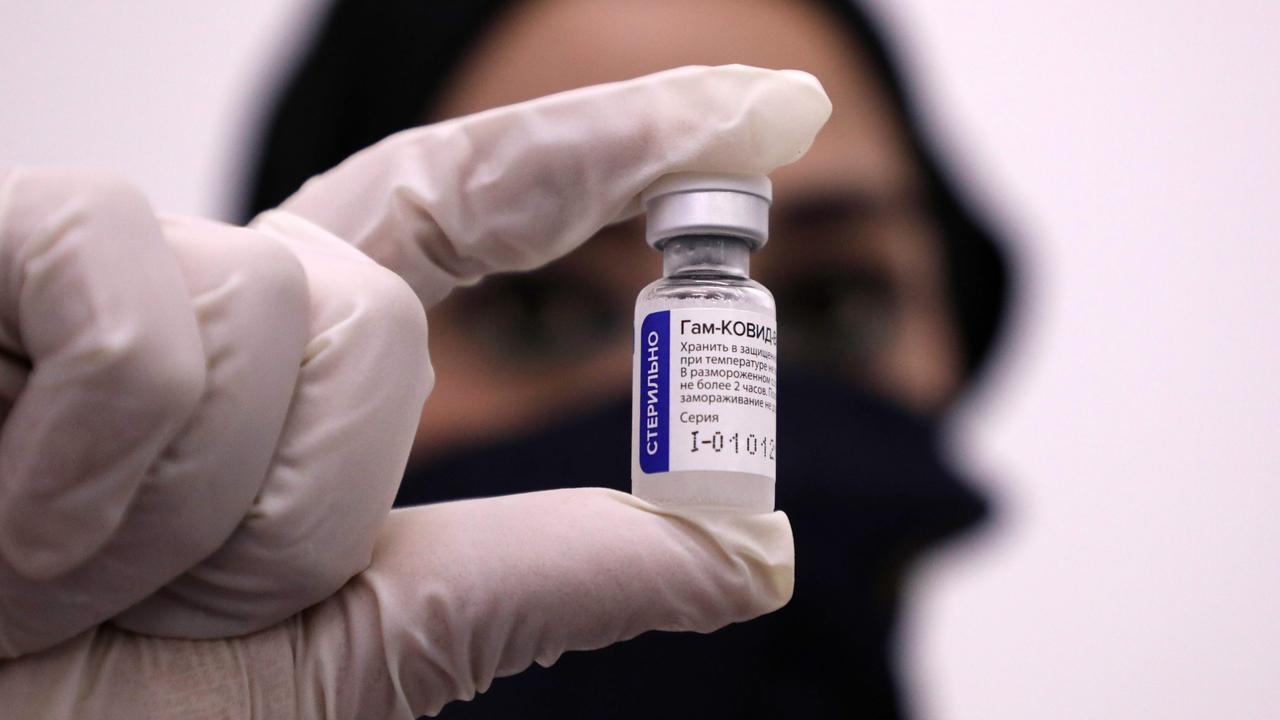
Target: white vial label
706,384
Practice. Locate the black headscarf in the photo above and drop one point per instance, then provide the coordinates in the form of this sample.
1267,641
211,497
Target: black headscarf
375,68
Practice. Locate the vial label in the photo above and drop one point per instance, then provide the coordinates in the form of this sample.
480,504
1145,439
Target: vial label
706,383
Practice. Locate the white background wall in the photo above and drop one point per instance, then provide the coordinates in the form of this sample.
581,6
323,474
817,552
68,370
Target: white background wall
161,92
1131,431
1135,427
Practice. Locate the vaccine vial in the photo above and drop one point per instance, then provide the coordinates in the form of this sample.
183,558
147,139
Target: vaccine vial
704,370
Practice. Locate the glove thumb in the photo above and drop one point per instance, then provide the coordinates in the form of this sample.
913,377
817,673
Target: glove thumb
462,593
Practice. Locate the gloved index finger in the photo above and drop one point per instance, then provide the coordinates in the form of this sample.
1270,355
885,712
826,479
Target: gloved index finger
91,296
515,187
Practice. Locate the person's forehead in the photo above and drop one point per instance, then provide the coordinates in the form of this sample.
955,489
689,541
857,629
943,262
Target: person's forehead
546,46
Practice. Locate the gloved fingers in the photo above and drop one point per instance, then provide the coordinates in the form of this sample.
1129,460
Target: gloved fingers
249,296
113,674
508,581
516,187
363,378
463,592
91,295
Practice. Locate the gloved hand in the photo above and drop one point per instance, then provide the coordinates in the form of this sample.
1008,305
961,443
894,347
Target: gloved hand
207,425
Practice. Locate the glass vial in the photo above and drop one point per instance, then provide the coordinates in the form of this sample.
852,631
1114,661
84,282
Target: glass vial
704,370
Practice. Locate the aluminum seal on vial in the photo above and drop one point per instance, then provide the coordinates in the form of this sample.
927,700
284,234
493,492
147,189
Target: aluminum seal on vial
708,204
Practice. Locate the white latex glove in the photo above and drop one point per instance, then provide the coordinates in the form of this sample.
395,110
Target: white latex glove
215,419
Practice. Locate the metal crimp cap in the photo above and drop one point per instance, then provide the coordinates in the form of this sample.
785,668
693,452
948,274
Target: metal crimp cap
708,204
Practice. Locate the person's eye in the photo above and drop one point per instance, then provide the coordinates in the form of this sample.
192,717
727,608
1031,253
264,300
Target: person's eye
539,317
837,319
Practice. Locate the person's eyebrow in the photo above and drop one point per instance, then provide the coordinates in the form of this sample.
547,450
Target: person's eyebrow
840,205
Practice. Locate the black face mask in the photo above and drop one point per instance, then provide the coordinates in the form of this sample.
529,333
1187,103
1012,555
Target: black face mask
866,490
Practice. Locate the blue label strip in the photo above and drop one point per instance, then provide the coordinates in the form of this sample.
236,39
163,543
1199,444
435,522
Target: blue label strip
654,341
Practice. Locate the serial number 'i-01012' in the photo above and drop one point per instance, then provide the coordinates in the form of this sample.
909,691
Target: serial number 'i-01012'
717,441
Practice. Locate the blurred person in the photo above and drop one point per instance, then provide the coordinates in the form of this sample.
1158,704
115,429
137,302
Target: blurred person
205,425
890,294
